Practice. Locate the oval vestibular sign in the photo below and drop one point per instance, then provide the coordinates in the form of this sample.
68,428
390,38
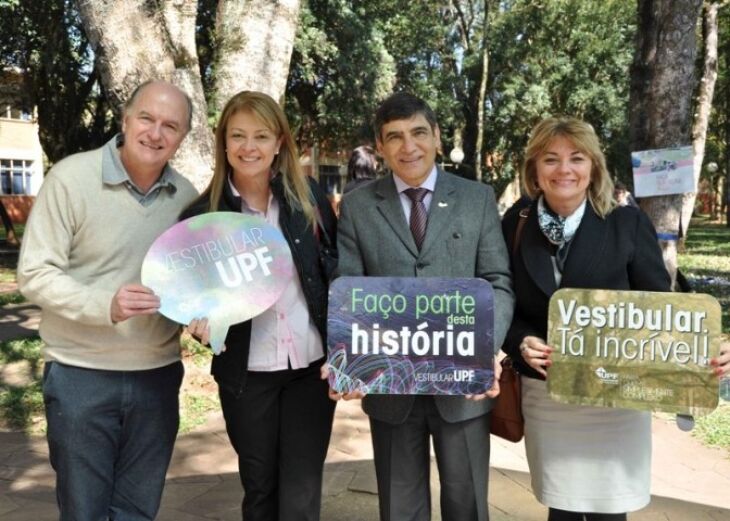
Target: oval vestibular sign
225,266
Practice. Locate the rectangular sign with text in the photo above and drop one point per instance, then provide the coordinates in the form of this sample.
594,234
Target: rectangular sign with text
411,335
663,171
634,350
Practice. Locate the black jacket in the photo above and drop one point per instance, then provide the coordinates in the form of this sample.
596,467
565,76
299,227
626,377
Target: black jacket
315,257
619,252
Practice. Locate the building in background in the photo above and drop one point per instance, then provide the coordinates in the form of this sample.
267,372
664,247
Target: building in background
21,155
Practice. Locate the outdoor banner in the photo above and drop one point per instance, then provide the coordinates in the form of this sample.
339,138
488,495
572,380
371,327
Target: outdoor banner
411,335
663,171
634,350
225,266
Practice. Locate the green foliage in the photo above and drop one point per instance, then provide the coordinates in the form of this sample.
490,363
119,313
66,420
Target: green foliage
7,274
714,429
194,350
546,57
21,404
431,59
12,297
207,47
22,407
194,409
340,69
44,47
562,57
23,349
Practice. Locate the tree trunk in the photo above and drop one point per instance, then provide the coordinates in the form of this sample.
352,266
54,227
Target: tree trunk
255,42
704,106
138,40
482,95
662,82
10,237
727,145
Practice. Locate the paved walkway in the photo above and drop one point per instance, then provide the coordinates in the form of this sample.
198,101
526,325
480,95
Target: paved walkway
690,482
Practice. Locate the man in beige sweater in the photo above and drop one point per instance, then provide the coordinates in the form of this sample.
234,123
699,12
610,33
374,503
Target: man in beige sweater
113,370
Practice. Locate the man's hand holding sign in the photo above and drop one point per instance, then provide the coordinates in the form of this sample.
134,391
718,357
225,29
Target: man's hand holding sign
411,336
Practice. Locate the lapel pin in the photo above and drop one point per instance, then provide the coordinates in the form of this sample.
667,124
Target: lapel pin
442,204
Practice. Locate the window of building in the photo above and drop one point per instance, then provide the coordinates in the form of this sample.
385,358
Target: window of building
11,112
15,176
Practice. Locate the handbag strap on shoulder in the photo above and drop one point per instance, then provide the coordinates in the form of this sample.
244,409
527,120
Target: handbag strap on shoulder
518,231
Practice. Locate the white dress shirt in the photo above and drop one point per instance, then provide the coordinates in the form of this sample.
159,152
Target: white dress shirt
283,336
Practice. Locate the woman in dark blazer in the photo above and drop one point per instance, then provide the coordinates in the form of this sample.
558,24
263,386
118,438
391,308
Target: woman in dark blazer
585,462
277,412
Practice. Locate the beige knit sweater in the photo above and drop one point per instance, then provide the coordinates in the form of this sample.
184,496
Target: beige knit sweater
82,242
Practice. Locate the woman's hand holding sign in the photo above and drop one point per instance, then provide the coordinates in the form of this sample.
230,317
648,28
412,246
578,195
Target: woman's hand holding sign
200,331
721,364
536,354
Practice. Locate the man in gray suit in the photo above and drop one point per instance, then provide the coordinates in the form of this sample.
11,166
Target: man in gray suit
424,222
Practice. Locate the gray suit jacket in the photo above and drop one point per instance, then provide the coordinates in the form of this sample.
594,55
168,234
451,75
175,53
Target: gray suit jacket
463,239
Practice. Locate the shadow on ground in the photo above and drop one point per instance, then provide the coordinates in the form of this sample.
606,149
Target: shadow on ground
214,492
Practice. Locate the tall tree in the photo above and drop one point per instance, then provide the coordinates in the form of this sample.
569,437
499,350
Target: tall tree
483,79
136,40
710,14
725,110
718,130
662,83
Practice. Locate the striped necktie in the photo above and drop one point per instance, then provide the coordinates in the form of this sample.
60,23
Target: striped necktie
418,214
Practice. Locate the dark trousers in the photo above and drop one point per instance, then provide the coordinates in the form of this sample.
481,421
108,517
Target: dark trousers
280,427
110,438
402,464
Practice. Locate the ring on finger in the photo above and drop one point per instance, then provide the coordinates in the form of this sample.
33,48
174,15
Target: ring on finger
523,347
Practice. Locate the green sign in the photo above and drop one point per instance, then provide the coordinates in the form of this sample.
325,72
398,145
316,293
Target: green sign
634,350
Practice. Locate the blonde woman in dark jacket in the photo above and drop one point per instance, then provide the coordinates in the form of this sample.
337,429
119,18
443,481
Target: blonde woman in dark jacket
277,412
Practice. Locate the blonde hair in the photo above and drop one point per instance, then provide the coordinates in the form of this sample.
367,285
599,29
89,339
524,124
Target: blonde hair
268,112
583,137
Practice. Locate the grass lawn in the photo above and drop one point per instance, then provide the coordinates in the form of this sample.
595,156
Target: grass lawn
706,264
8,265
21,369
21,400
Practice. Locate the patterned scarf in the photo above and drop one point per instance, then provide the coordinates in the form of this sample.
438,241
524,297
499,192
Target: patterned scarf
559,230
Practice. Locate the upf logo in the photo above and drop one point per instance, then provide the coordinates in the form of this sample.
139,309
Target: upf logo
606,377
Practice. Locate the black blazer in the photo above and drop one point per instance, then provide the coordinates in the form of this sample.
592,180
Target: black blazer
315,258
618,252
